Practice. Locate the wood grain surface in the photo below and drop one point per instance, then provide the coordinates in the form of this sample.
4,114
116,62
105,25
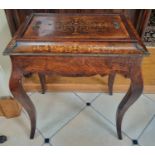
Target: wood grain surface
74,32
9,108
95,83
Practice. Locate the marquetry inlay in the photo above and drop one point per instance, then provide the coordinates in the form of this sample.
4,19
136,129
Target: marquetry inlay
77,26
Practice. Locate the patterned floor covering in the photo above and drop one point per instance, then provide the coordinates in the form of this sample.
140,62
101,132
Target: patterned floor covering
149,37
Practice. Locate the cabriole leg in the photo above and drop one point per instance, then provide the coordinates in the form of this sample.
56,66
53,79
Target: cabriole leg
134,92
20,95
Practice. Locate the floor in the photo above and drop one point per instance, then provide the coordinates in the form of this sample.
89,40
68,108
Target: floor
74,118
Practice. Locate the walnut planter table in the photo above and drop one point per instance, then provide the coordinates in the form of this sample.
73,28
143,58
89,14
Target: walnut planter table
77,45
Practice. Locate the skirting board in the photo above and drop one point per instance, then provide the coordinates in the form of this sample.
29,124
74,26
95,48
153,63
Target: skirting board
83,88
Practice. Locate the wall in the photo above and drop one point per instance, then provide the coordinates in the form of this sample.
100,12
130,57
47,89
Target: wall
5,65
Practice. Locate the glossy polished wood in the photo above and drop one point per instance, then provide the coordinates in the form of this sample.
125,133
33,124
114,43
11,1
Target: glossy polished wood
138,17
111,79
42,79
76,46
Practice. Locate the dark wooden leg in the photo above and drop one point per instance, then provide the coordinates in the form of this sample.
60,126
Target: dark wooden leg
43,82
111,79
28,75
134,92
20,95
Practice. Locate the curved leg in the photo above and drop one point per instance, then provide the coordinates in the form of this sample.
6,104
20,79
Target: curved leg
20,95
43,82
28,75
111,79
134,92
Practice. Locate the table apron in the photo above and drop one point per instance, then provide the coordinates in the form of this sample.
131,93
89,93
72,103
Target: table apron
75,66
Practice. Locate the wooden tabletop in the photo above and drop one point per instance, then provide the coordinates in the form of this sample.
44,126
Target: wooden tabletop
76,27
93,34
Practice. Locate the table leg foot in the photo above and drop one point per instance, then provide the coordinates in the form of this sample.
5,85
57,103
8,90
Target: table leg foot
134,92
43,82
20,95
111,79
